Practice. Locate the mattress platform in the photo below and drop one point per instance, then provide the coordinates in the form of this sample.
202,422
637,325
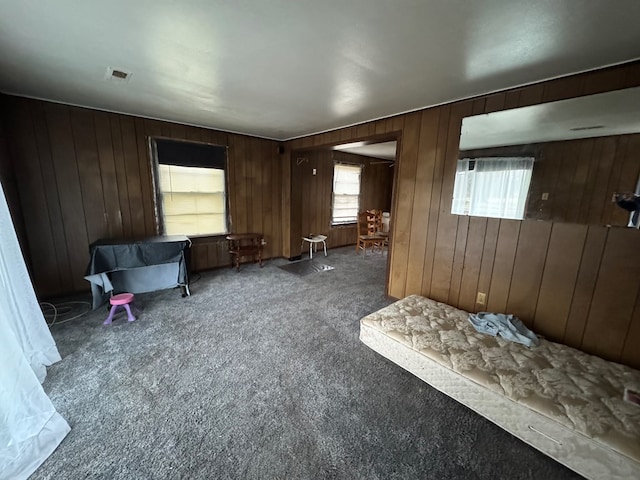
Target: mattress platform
566,403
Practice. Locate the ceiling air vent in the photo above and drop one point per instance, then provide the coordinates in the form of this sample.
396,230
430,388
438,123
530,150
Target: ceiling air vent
592,127
117,75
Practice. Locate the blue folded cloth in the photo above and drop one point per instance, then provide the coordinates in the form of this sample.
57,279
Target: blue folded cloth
508,327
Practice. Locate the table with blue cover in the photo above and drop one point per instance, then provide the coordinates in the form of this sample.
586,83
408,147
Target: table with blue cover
137,266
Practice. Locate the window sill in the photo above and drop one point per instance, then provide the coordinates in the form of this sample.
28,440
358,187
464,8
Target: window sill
209,236
343,225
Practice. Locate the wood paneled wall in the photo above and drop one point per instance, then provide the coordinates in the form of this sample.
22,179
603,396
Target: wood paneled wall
313,193
580,177
575,284
8,180
84,174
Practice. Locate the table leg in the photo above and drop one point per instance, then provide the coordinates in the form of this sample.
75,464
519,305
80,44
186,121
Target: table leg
324,243
311,250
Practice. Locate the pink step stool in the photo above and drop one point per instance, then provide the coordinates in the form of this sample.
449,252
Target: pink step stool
120,300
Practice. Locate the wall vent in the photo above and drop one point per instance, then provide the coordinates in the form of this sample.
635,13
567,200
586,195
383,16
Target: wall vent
117,74
593,127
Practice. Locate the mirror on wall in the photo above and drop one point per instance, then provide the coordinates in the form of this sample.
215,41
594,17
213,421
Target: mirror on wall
575,160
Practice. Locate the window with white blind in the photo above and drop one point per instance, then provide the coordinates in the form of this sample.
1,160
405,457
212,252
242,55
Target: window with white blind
492,187
346,193
190,188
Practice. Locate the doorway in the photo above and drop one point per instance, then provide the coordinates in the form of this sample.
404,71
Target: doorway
313,200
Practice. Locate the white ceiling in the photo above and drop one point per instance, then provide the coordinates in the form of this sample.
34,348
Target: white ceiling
381,150
282,69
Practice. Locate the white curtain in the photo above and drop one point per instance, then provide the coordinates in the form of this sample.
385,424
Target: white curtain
30,427
492,187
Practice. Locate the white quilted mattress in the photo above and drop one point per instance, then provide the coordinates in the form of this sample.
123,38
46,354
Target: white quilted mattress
564,402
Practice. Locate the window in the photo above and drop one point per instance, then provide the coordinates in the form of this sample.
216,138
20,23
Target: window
492,187
346,193
190,185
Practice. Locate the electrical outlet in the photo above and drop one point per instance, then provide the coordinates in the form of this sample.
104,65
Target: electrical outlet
481,298
314,171
545,196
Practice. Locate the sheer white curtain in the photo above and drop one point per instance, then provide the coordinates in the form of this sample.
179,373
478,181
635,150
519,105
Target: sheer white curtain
492,187
30,427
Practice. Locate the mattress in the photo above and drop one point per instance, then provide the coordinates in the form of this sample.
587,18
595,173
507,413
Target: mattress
564,402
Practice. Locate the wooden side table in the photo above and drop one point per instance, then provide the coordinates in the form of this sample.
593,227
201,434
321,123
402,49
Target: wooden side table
245,245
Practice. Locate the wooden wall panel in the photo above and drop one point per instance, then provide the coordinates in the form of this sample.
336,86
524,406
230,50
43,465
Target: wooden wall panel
144,167
422,204
24,148
631,352
69,195
559,279
108,174
614,296
84,141
295,207
132,172
286,203
585,284
84,175
9,186
239,208
488,258
264,207
402,219
504,261
578,192
446,230
599,196
433,213
469,256
561,192
254,186
562,278
121,177
527,269
462,232
472,263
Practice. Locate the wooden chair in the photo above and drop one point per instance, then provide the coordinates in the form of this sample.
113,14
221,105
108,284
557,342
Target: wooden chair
375,227
374,219
367,234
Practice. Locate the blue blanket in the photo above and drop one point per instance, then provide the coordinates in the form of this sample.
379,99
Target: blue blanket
505,326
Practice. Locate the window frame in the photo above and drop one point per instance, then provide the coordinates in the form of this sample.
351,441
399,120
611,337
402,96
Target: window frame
157,194
333,195
460,206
